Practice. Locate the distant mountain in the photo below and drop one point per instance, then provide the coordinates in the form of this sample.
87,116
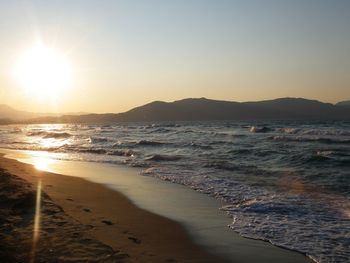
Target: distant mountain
8,114
345,103
206,109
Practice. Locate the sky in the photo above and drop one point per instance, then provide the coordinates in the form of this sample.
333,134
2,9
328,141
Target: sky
124,54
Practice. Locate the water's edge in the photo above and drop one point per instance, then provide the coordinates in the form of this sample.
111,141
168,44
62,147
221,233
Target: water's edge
197,212
283,181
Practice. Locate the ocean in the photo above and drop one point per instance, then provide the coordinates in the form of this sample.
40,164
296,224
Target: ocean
286,182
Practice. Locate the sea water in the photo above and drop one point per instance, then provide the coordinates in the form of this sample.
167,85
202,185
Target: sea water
284,182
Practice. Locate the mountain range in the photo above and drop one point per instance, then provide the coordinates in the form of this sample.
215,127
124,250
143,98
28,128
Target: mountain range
344,103
10,114
7,112
199,109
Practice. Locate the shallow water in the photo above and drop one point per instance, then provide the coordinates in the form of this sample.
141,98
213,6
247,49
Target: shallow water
198,213
288,183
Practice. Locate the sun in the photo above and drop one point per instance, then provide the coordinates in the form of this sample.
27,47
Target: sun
43,72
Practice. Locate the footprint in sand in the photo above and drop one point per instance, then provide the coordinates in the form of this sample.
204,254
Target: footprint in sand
61,223
107,222
135,240
76,234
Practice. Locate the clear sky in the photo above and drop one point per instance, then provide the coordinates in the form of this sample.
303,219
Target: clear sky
127,53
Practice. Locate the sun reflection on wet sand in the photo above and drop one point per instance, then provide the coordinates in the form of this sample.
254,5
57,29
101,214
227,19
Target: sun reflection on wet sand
36,229
42,163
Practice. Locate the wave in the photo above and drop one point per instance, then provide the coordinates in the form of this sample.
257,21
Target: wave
104,129
150,143
20,142
240,151
95,151
48,135
238,135
320,159
289,130
325,140
162,157
223,165
262,129
333,153
219,142
29,147
228,134
160,130
57,135
184,131
336,158
166,125
15,131
36,133
199,146
126,153
325,132
314,132
97,139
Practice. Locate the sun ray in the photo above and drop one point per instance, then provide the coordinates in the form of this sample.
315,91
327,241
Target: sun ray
36,228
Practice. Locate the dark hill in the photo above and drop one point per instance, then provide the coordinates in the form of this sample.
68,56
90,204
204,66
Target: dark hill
345,103
9,114
206,109
6,112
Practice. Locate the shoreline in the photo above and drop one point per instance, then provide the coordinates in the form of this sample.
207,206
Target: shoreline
112,219
243,250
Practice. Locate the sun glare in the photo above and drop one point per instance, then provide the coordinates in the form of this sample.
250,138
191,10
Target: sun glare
42,163
43,72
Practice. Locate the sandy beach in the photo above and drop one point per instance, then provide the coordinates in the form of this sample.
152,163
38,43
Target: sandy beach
82,221
95,213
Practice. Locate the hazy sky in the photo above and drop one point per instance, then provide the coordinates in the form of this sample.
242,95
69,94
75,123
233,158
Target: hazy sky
127,53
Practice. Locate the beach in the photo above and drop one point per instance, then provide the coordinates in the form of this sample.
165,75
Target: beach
85,222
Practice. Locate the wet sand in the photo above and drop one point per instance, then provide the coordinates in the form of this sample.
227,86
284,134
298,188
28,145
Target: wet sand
184,226
81,221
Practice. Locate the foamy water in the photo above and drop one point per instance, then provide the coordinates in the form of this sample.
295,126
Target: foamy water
288,183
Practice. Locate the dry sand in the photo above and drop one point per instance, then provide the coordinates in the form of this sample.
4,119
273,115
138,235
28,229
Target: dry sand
83,222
